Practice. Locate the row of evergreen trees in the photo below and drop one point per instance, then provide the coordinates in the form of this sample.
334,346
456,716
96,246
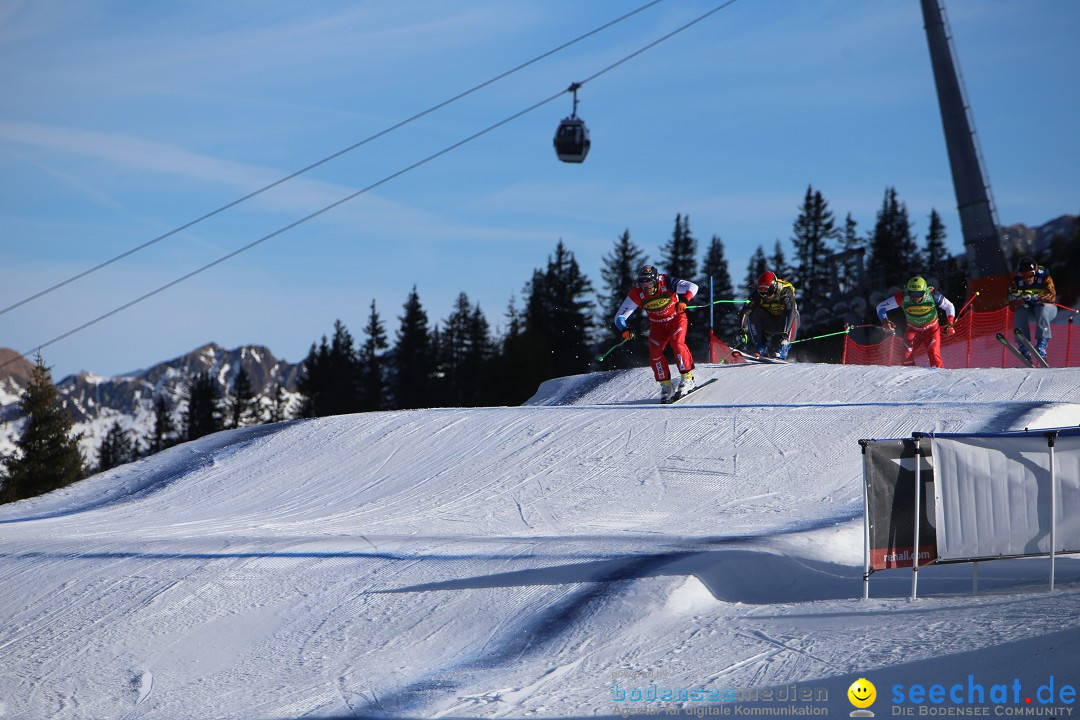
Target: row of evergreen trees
207,408
564,323
561,326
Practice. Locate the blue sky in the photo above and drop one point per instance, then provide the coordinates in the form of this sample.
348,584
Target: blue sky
125,120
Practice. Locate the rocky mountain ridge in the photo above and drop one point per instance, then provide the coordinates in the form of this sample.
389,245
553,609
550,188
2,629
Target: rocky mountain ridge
96,402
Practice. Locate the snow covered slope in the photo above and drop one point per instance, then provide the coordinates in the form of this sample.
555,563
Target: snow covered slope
523,562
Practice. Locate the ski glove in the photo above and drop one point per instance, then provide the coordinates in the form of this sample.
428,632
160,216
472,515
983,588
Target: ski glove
628,334
888,325
742,338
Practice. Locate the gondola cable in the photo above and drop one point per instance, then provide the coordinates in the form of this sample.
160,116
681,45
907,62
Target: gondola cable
352,196
323,161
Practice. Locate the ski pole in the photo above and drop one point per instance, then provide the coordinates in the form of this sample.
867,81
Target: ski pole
876,326
845,331
715,302
1066,307
967,304
615,347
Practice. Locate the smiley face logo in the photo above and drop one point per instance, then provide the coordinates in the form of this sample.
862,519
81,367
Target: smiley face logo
862,693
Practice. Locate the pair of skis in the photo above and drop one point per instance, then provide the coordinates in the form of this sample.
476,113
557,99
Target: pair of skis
1032,356
741,356
759,359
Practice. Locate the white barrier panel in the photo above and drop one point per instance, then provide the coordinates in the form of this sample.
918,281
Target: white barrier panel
995,498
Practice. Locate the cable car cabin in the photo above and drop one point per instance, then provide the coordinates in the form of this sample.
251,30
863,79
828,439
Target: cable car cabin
572,140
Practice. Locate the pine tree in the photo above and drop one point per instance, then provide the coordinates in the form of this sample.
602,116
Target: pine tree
678,255
715,267
330,381
523,368
282,407
559,310
478,363
116,448
935,254
243,405
455,349
852,265
894,256
778,264
757,265
414,361
46,454
619,272
466,353
372,382
679,260
313,384
203,414
557,317
163,434
343,377
812,230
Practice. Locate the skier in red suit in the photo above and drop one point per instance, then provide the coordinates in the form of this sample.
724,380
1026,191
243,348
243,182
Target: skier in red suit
664,299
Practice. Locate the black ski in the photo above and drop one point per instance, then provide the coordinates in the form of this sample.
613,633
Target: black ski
1015,351
1035,356
697,387
760,359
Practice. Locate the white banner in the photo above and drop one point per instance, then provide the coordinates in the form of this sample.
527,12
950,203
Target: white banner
993,495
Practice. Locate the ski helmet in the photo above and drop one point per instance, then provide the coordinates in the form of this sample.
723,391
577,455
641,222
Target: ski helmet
1026,265
767,284
916,286
648,278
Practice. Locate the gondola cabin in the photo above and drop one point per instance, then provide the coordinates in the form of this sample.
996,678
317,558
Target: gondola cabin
572,140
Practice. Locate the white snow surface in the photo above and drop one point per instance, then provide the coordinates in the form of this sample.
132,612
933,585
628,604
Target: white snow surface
525,561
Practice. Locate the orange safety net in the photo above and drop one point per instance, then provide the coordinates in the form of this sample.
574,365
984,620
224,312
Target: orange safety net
974,345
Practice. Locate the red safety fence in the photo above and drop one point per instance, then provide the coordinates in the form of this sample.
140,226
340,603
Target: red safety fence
720,351
974,345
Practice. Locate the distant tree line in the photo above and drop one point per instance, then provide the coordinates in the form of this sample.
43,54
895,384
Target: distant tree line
560,327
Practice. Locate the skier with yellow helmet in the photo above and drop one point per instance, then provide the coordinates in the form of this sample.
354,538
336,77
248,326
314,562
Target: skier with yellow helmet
920,303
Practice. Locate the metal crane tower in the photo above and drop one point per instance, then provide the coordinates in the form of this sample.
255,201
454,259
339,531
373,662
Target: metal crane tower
988,271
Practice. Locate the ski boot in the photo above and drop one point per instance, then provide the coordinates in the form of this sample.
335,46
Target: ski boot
1040,347
667,391
687,383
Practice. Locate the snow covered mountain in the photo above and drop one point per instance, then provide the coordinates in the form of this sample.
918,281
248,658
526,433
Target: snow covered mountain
575,557
96,402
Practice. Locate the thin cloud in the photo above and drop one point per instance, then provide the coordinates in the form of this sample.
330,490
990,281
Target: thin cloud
134,153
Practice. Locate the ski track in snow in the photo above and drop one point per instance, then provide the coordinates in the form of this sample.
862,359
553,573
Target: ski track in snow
515,562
